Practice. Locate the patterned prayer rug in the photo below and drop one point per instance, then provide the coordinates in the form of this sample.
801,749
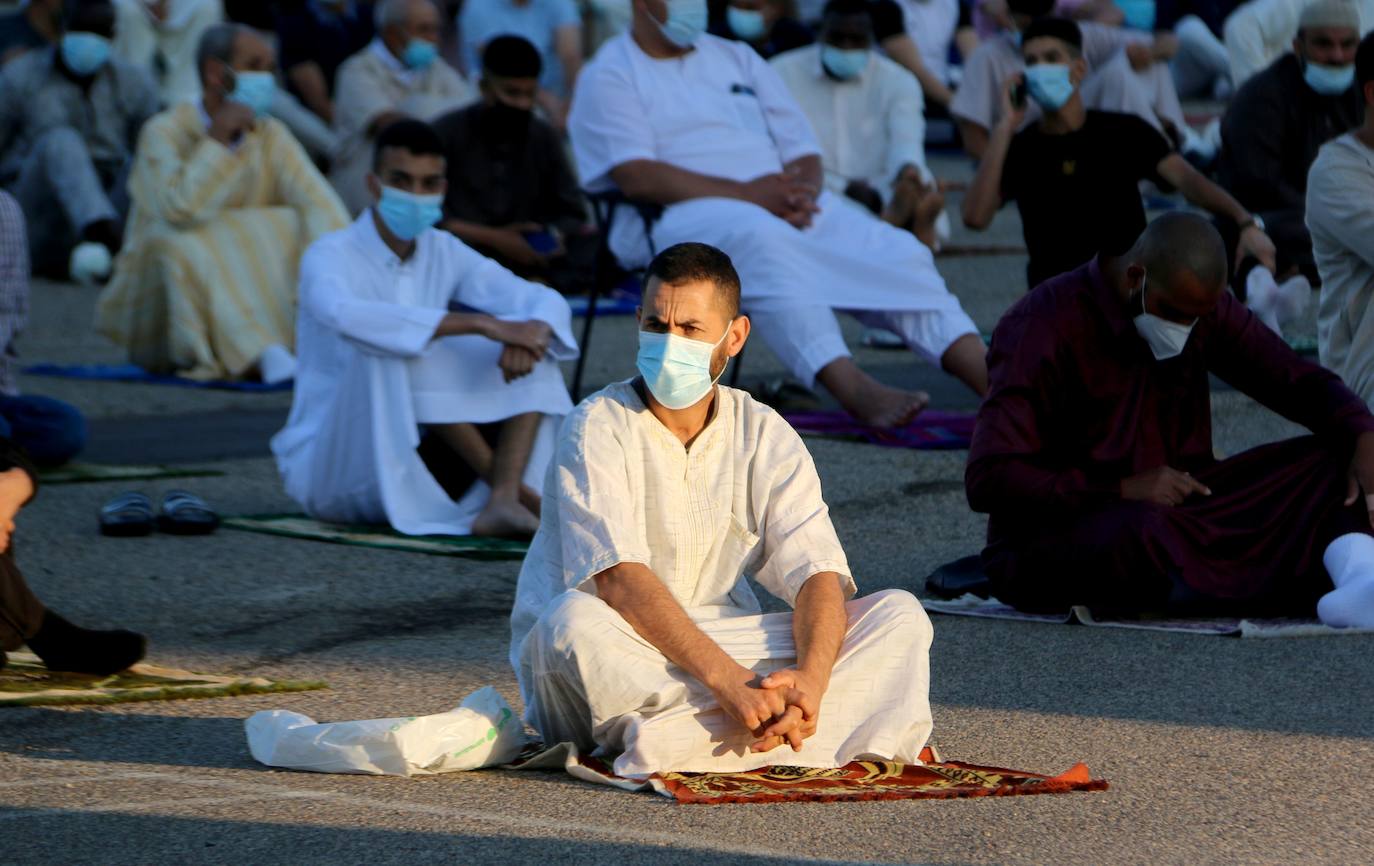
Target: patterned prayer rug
932,430
859,780
991,608
82,473
26,682
382,537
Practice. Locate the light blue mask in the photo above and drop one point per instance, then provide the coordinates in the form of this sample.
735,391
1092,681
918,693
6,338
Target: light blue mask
419,54
686,22
407,214
1138,14
747,24
84,53
844,63
255,90
1049,85
676,370
1328,80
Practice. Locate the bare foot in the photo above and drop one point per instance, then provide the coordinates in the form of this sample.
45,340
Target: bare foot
879,406
505,519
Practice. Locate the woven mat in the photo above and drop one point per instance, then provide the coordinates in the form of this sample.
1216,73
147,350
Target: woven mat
26,682
81,473
381,537
991,608
858,780
932,430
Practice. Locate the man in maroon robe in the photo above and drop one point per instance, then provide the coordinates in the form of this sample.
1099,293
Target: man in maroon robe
1093,451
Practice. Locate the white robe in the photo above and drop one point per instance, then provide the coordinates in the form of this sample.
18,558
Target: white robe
744,499
370,375
721,110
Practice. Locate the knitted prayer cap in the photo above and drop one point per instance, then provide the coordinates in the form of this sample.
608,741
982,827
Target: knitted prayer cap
1330,13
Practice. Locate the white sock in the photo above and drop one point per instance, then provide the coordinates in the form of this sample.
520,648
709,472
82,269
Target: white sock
1350,562
1292,298
277,364
89,263
1261,296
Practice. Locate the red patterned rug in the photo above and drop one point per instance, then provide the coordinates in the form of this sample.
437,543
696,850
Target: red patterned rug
858,780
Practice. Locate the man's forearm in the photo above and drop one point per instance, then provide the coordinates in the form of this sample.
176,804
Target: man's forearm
984,197
819,623
1212,198
654,182
638,595
459,324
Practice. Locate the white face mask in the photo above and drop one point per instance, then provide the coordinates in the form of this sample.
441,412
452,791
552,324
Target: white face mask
1166,339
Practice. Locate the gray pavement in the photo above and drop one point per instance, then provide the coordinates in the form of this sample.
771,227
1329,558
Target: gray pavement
1218,750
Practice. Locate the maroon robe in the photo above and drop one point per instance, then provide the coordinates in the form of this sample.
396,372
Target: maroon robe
1078,404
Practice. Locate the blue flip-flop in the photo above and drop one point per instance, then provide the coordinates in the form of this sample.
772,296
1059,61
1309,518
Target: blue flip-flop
184,513
128,515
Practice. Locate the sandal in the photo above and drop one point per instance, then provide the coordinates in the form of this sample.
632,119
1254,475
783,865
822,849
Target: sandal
185,513
128,515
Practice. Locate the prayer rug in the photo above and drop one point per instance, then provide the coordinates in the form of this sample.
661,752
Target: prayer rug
991,608
26,682
134,373
617,305
382,537
934,779
79,473
932,430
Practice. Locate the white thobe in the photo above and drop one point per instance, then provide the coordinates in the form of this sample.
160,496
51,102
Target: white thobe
931,25
1261,31
744,499
371,373
722,111
1340,216
169,44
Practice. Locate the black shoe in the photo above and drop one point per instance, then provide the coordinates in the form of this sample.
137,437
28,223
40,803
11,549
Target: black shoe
66,647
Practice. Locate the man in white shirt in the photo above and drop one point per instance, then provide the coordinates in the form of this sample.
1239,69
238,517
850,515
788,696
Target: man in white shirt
867,113
1340,216
706,128
1261,31
399,74
634,631
403,328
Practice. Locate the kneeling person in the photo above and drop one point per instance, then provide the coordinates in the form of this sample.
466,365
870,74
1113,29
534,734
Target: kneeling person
634,630
402,327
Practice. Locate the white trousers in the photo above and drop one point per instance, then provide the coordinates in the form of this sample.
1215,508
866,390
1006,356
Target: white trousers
1149,94
591,679
791,280
1201,63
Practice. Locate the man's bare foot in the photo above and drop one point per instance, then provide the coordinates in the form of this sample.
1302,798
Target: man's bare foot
879,406
505,519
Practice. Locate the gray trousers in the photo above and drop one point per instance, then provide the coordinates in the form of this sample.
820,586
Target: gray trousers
58,170
1201,69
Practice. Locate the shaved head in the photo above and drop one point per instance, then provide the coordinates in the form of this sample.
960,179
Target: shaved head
1184,259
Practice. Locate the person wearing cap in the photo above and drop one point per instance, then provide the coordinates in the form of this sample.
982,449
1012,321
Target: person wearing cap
1074,173
669,115
1125,72
868,115
512,194
1340,216
69,119
1271,133
1261,31
399,74
224,202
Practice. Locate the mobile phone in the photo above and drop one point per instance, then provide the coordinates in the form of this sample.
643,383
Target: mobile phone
1018,95
541,242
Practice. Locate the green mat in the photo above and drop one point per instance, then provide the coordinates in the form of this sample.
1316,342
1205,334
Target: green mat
79,473
300,526
25,682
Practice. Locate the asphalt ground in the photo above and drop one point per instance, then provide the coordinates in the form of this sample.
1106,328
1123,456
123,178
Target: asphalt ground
1218,750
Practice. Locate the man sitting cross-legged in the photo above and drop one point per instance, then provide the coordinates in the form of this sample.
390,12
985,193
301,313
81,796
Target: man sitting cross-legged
402,327
634,630
1093,451
705,127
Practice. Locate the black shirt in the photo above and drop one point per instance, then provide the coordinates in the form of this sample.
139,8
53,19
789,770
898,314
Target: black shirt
787,33
17,34
1079,193
311,33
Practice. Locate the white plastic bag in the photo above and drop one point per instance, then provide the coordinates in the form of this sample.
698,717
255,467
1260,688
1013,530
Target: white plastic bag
480,732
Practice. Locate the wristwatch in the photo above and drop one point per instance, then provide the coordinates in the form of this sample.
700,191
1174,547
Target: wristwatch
1255,220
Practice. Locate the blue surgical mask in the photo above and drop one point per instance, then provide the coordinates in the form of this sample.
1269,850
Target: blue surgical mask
1049,85
419,54
686,22
255,90
1328,80
407,214
1138,14
844,63
747,24
676,370
1166,339
85,53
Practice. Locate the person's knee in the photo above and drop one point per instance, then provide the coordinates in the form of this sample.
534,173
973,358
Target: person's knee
573,618
59,142
52,431
904,613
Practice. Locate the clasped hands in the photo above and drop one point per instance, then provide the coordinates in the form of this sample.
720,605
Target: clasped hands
524,345
781,708
786,195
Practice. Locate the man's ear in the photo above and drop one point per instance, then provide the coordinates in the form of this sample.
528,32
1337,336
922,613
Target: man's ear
1078,70
739,333
374,186
1368,95
1297,46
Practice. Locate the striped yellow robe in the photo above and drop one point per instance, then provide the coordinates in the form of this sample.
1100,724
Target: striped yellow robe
206,279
